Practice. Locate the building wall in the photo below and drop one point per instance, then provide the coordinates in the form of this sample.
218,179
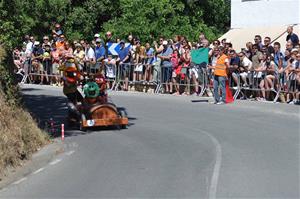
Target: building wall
261,13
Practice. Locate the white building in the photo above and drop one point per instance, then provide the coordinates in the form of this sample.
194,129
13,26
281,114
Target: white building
262,17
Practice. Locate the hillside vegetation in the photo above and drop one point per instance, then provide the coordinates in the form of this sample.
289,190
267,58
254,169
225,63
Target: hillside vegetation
19,133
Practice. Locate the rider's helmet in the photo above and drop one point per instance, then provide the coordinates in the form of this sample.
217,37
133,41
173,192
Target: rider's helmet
71,74
91,90
100,80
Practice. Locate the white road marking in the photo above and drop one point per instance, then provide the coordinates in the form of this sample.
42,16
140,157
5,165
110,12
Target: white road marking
38,171
70,153
55,162
19,181
217,167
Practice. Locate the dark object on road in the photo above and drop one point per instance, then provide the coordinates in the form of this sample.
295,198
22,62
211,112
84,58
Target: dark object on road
199,100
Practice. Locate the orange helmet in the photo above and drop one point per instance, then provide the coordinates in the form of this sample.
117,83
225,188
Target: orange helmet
72,75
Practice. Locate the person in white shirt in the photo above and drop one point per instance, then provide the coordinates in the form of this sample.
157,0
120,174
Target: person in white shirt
245,66
110,71
89,59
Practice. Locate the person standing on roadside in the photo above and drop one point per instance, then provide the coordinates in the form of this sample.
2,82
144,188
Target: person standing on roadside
108,42
220,75
292,36
124,63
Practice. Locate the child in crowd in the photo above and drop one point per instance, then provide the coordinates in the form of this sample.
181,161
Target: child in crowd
110,71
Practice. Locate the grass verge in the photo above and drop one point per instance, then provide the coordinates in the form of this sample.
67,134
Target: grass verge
19,133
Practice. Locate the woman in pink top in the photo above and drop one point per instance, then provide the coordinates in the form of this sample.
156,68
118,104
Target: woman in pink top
175,74
55,63
185,59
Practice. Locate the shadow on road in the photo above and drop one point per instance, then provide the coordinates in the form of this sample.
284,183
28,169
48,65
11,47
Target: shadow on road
43,108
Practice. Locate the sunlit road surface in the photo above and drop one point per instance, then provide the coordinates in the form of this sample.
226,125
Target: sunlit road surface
172,148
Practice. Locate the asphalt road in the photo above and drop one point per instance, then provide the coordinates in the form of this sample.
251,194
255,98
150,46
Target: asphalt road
172,148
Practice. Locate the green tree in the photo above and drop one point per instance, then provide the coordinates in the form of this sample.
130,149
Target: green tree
153,18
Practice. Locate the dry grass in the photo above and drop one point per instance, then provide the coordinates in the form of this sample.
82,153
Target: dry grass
19,135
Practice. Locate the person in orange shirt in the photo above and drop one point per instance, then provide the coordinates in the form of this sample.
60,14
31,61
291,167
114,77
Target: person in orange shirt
220,76
60,45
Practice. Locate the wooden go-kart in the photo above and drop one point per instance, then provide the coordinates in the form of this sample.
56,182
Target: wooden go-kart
102,115
95,111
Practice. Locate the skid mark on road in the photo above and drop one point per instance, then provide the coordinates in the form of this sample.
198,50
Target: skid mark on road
216,172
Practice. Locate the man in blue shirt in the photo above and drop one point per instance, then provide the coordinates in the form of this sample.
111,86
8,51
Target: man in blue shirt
234,65
124,65
99,54
166,64
292,36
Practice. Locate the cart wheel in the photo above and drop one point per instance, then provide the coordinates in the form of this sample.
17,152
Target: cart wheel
122,113
124,126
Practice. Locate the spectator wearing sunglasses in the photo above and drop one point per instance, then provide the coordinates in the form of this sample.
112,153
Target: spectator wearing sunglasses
258,41
267,44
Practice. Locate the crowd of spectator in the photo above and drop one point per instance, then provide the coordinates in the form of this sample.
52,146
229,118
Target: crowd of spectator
259,70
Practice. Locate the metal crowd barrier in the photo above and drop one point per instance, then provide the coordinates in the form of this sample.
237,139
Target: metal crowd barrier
120,73
253,85
133,75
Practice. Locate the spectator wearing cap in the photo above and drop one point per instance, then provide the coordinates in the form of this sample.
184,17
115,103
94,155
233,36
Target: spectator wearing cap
57,30
166,64
89,58
220,75
292,36
79,56
228,44
124,63
100,54
96,36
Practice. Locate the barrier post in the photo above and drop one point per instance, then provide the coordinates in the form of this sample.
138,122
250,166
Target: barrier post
62,132
52,125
